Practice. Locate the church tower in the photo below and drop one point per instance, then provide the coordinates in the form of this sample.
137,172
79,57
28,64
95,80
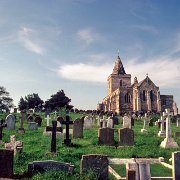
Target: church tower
118,78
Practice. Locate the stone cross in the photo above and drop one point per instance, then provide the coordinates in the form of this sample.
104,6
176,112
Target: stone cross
53,137
162,132
103,122
168,142
48,118
144,126
2,125
21,129
14,145
67,122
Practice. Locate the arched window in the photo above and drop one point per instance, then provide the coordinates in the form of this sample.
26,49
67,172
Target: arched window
120,83
127,98
151,95
144,95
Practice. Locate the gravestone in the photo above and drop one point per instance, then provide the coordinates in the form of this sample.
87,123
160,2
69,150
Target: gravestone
103,122
126,137
110,123
168,142
115,119
2,125
144,171
67,122
53,137
132,121
21,130
32,125
48,118
151,123
78,128
88,122
106,136
10,121
130,174
159,123
30,118
49,165
162,132
38,120
127,122
176,165
97,163
14,145
144,125
6,163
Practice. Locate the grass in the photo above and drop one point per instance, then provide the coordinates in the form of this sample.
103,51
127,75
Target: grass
36,146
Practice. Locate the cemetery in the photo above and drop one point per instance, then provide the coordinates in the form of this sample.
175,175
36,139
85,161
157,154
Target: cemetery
83,145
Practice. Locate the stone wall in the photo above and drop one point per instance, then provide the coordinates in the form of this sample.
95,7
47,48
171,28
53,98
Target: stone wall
166,102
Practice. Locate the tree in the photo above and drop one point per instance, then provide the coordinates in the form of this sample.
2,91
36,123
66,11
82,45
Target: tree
30,101
6,103
58,100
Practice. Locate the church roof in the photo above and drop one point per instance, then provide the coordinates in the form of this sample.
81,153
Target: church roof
147,79
118,67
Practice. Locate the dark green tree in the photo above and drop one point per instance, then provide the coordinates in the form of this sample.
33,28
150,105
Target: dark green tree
30,101
58,100
6,103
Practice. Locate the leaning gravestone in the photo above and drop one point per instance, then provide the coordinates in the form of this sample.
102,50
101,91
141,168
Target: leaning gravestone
96,162
78,128
49,165
126,137
106,136
6,163
10,121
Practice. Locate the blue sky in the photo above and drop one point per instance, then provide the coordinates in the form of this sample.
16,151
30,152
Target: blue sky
47,45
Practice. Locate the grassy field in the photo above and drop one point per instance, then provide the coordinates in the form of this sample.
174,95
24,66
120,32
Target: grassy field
36,146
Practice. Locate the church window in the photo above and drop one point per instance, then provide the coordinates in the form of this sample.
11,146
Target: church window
127,98
144,95
164,102
120,83
151,95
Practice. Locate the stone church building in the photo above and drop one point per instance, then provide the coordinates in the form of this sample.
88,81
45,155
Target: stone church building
124,96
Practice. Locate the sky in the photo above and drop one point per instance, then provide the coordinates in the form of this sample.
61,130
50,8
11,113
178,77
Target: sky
46,46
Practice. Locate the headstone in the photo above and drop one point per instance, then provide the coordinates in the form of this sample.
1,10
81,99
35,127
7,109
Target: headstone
88,122
144,126
168,142
10,121
30,118
38,120
6,163
78,128
106,136
67,122
53,137
32,125
132,121
47,118
103,122
110,123
126,137
176,165
127,122
21,129
14,145
49,165
115,119
144,171
97,163
159,123
151,123
2,125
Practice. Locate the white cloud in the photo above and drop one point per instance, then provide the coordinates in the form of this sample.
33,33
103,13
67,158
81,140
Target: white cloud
87,35
163,71
26,37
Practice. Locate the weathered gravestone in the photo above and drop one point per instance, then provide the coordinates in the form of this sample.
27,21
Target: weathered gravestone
78,128
97,163
32,125
17,146
30,118
6,163
106,136
49,165
176,165
145,118
126,137
110,123
88,122
53,137
127,122
38,120
21,129
10,121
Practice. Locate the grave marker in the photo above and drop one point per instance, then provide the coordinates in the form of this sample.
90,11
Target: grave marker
176,165
21,129
78,128
127,122
126,137
144,126
2,125
10,121
53,137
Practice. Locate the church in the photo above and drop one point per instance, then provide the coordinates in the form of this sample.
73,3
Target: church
139,96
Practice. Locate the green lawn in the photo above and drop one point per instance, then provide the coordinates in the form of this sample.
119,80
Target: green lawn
36,146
